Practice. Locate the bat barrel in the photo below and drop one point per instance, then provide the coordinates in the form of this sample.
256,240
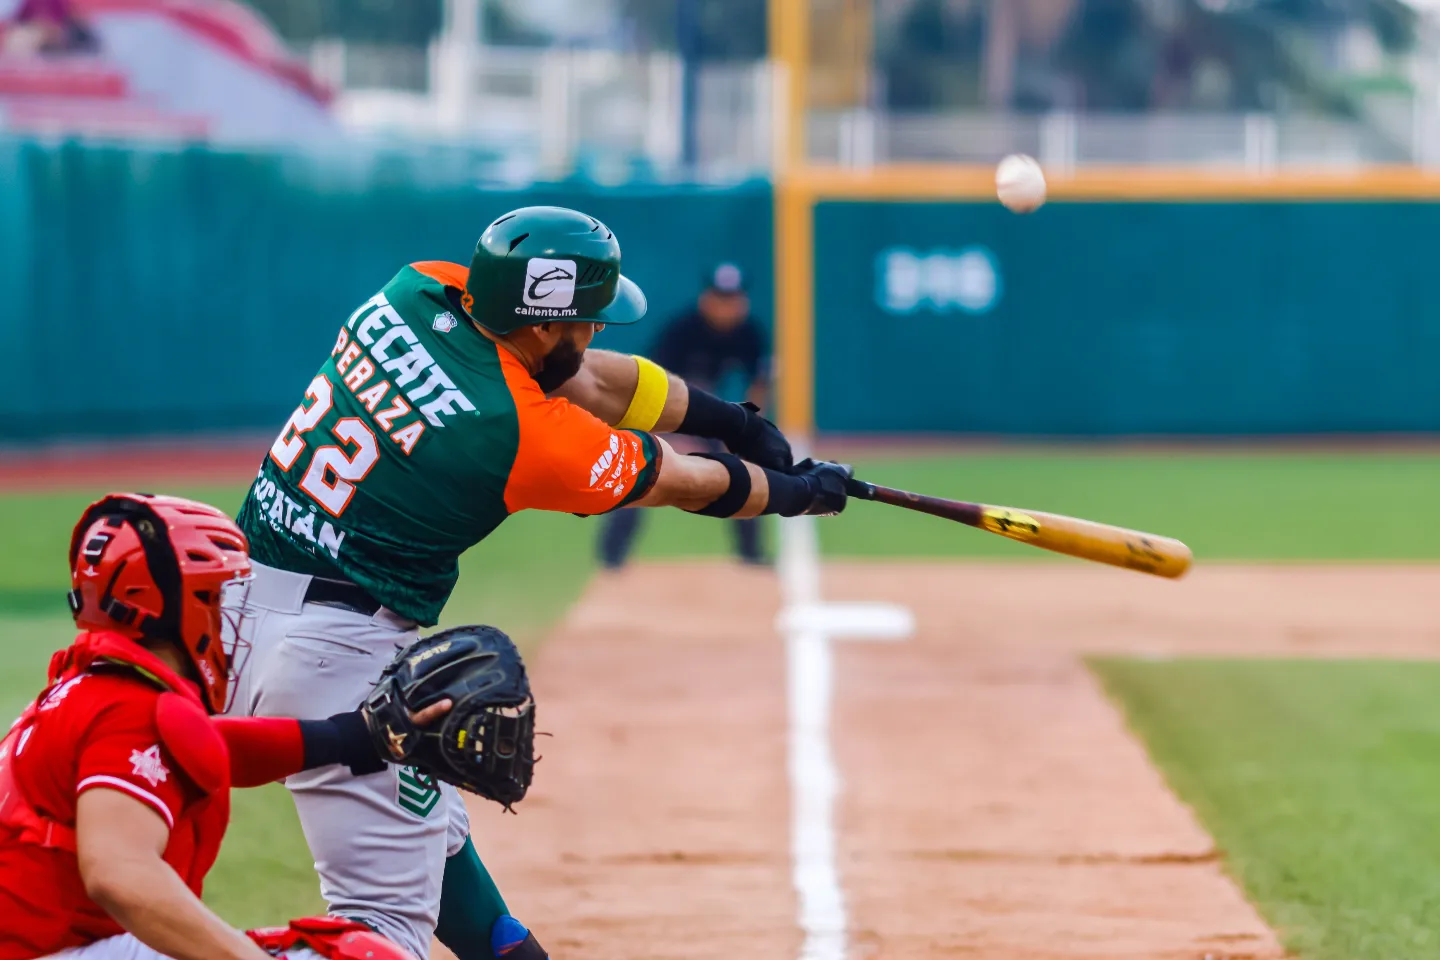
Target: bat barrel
1088,540
1084,539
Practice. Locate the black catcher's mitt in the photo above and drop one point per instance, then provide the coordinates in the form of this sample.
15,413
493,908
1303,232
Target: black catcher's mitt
486,743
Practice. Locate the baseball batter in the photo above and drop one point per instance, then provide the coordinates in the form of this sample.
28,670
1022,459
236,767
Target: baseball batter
452,399
115,783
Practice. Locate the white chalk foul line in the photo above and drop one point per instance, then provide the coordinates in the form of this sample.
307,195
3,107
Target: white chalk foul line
814,779
849,621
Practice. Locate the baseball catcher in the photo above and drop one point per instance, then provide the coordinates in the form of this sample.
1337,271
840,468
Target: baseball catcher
115,783
453,398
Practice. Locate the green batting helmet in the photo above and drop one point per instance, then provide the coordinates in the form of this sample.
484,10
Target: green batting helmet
539,264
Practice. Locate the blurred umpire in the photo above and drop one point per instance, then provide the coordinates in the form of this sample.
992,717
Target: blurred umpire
718,346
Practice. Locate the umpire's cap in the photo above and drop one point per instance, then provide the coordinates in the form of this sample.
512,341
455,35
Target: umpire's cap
726,279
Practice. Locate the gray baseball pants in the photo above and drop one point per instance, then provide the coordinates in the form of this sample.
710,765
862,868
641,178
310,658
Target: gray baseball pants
380,841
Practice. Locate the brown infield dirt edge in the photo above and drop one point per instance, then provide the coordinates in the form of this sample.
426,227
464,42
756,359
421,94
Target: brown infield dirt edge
993,805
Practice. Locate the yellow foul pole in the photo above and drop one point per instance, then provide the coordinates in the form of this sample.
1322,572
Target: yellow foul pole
789,27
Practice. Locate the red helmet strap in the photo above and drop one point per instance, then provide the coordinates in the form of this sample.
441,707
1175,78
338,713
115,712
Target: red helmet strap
160,558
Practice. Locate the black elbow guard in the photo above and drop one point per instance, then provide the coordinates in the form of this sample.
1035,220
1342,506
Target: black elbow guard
733,499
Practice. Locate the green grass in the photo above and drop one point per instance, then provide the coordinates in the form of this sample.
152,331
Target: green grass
1226,506
1318,780
25,647
264,874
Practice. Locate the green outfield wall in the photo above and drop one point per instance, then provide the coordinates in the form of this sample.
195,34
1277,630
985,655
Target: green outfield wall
1086,318
162,291
172,291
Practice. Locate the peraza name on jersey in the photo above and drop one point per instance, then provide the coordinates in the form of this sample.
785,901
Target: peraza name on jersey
376,339
282,513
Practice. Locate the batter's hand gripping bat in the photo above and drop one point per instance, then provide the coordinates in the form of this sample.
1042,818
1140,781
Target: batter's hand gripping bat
1086,539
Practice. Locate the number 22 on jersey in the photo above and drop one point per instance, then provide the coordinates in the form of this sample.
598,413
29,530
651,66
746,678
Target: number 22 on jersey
334,470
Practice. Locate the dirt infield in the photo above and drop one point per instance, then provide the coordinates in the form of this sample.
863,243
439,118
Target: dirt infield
1223,609
994,805
657,827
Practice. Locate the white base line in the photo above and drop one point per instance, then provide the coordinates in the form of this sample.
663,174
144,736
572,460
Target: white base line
814,779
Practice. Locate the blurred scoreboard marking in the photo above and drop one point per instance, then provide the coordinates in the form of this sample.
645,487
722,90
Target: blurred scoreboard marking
799,186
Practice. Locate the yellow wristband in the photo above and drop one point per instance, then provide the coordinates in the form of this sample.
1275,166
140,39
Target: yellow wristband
651,391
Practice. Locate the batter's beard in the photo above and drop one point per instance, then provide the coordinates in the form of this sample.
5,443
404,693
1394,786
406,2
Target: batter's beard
559,365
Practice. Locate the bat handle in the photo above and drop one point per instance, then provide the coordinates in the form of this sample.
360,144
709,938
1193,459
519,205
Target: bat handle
859,489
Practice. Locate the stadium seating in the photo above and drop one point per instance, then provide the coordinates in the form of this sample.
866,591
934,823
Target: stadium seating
166,69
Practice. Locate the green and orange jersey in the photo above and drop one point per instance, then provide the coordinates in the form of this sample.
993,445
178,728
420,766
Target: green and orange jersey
416,439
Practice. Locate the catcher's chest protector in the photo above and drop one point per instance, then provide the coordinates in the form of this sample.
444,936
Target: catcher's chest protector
189,738
19,821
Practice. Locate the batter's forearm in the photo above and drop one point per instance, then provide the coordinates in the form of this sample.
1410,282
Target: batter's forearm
723,485
694,483
606,384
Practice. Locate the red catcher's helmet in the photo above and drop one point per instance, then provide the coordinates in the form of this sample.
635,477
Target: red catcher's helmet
153,568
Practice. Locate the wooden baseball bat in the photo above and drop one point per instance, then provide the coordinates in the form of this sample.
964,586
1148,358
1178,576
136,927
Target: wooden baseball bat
1086,539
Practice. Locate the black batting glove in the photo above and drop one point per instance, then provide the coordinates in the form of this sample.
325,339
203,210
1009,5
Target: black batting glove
827,480
811,488
761,442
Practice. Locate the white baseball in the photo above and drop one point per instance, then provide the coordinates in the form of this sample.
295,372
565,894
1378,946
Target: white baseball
1020,183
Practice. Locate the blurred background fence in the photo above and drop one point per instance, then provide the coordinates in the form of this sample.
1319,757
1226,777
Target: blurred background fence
152,291
196,192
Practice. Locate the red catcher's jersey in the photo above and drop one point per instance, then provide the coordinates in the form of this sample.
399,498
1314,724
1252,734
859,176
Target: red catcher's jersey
99,728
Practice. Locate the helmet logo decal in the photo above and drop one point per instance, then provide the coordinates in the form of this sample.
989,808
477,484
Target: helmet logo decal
549,283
